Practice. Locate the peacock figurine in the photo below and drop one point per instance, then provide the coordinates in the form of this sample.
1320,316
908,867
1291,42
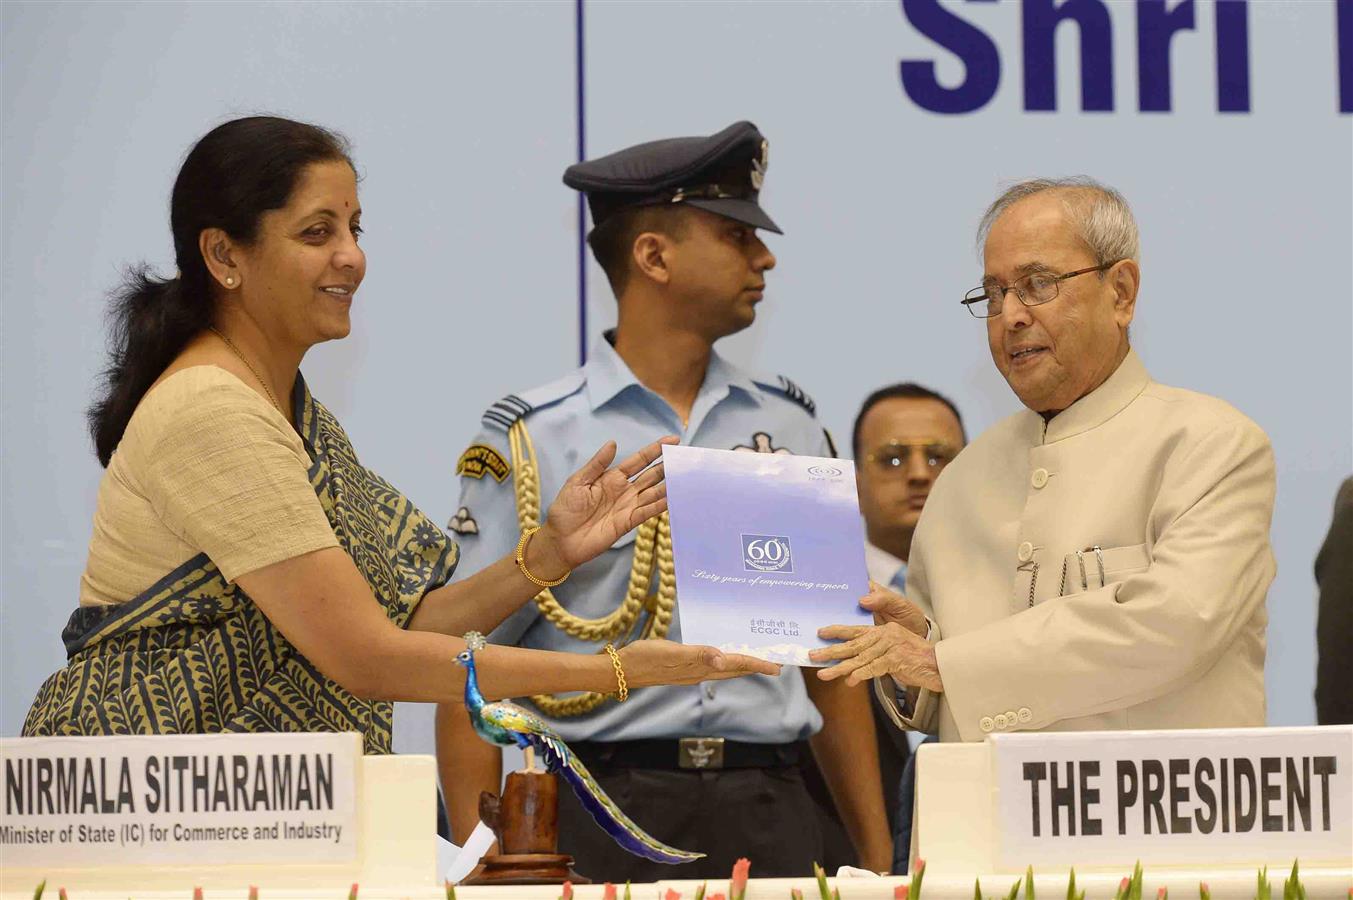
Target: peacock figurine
507,724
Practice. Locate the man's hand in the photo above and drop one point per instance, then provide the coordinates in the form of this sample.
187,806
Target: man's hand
888,606
873,650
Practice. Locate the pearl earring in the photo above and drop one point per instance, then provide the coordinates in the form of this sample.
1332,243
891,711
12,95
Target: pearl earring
230,281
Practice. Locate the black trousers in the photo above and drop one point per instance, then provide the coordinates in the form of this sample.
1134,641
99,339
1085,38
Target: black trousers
765,815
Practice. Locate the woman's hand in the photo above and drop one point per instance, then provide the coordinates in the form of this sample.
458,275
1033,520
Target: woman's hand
653,662
873,650
597,505
888,606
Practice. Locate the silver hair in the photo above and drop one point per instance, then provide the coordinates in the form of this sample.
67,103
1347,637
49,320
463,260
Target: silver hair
1099,214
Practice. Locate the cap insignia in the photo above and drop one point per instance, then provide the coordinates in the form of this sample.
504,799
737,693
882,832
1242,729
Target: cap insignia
760,165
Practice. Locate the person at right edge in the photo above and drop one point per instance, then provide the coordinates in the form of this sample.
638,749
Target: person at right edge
714,768
1334,575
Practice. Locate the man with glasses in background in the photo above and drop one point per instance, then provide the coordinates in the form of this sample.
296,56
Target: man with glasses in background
1099,560
904,436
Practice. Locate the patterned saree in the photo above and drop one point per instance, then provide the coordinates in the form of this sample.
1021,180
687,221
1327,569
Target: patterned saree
193,654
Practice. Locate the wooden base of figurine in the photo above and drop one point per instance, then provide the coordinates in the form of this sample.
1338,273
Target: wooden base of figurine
526,821
525,868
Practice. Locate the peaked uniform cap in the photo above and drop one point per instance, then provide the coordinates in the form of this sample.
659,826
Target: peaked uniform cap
720,173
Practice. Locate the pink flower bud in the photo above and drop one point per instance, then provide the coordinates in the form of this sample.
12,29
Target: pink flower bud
738,883
672,895
1162,893
352,891
197,893
608,892
253,892
901,891
567,892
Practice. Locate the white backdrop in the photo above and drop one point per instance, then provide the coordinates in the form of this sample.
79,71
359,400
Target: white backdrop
463,117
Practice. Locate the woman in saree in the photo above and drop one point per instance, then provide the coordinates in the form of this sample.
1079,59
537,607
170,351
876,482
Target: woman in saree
246,572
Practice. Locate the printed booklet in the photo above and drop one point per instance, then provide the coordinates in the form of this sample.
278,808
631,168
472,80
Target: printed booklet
769,547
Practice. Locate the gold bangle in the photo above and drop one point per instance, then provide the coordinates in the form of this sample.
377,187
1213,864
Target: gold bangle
521,562
622,692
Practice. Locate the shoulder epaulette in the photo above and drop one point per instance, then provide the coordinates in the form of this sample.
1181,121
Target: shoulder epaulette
506,412
791,390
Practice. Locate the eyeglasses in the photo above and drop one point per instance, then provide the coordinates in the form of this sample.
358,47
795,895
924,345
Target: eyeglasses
988,300
892,457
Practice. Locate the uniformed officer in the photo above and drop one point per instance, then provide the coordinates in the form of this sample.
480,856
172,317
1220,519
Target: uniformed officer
713,768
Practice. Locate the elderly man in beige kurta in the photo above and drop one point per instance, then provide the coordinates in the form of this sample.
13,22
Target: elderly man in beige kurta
1100,559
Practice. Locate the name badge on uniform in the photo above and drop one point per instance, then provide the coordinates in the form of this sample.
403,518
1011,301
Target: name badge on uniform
479,459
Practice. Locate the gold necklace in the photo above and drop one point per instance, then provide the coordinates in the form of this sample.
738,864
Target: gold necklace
236,350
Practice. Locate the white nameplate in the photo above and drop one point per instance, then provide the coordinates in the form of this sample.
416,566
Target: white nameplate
1234,795
179,799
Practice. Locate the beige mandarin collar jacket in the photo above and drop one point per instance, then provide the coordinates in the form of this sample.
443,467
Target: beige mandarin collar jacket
1104,570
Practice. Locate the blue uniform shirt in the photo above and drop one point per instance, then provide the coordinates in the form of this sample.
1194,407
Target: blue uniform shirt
568,421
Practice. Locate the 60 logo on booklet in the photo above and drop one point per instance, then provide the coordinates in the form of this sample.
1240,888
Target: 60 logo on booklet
766,553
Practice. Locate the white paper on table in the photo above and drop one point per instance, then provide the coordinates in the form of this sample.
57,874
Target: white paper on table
446,858
454,863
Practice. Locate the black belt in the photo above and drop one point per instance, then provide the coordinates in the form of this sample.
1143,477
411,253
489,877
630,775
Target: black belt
688,753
